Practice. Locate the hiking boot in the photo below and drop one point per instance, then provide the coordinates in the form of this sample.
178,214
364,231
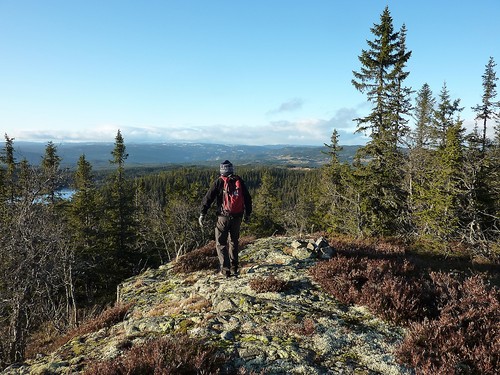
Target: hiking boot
225,274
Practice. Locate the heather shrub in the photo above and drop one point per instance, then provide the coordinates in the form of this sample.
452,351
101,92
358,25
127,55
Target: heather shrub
465,339
167,355
306,327
267,284
454,326
398,299
388,287
367,246
204,258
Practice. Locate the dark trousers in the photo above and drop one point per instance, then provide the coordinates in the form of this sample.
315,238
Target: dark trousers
227,234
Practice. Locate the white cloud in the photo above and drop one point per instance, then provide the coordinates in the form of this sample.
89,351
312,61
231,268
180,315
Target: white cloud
288,106
297,132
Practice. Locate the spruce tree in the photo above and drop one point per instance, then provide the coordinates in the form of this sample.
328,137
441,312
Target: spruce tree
9,173
489,108
266,207
50,167
337,202
444,116
400,102
120,211
420,156
382,77
85,216
84,205
423,115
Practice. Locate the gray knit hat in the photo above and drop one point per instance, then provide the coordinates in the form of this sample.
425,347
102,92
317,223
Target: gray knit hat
226,168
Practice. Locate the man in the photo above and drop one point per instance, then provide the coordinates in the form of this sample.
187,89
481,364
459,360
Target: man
233,204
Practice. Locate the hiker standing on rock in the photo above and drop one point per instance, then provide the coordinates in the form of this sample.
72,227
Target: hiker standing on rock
233,204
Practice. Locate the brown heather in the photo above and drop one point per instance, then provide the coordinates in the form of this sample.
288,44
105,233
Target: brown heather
204,258
453,325
170,355
268,284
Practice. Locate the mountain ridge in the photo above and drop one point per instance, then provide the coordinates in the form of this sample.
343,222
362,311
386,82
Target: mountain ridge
153,154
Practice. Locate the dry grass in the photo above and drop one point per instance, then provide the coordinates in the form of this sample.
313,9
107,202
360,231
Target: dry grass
105,319
194,303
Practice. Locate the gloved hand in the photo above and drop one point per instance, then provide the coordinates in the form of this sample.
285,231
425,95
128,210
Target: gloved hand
200,220
246,218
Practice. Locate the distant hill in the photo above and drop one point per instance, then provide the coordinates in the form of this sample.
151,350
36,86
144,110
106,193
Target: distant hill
153,154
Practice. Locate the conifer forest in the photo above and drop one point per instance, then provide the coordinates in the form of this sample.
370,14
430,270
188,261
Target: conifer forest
422,181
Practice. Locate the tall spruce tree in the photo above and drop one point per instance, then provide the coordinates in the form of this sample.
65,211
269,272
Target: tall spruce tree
120,211
423,115
444,116
481,219
420,154
9,173
488,110
266,207
50,167
85,215
337,202
382,77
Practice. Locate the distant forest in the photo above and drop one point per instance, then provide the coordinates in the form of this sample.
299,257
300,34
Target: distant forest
432,186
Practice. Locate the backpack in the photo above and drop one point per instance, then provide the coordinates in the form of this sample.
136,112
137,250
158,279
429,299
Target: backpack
233,201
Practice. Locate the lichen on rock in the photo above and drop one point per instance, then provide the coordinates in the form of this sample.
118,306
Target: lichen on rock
300,330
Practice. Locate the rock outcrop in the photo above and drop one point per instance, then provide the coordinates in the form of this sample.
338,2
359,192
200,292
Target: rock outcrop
299,330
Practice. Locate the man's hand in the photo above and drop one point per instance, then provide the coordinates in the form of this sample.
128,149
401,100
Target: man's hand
200,220
246,218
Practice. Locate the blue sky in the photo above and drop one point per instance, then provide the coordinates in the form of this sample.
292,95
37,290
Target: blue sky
234,72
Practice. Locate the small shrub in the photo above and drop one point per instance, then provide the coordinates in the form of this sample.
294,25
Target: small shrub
388,287
204,258
307,327
168,355
465,339
267,284
454,325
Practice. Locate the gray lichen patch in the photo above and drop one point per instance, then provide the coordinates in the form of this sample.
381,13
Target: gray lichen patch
300,330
